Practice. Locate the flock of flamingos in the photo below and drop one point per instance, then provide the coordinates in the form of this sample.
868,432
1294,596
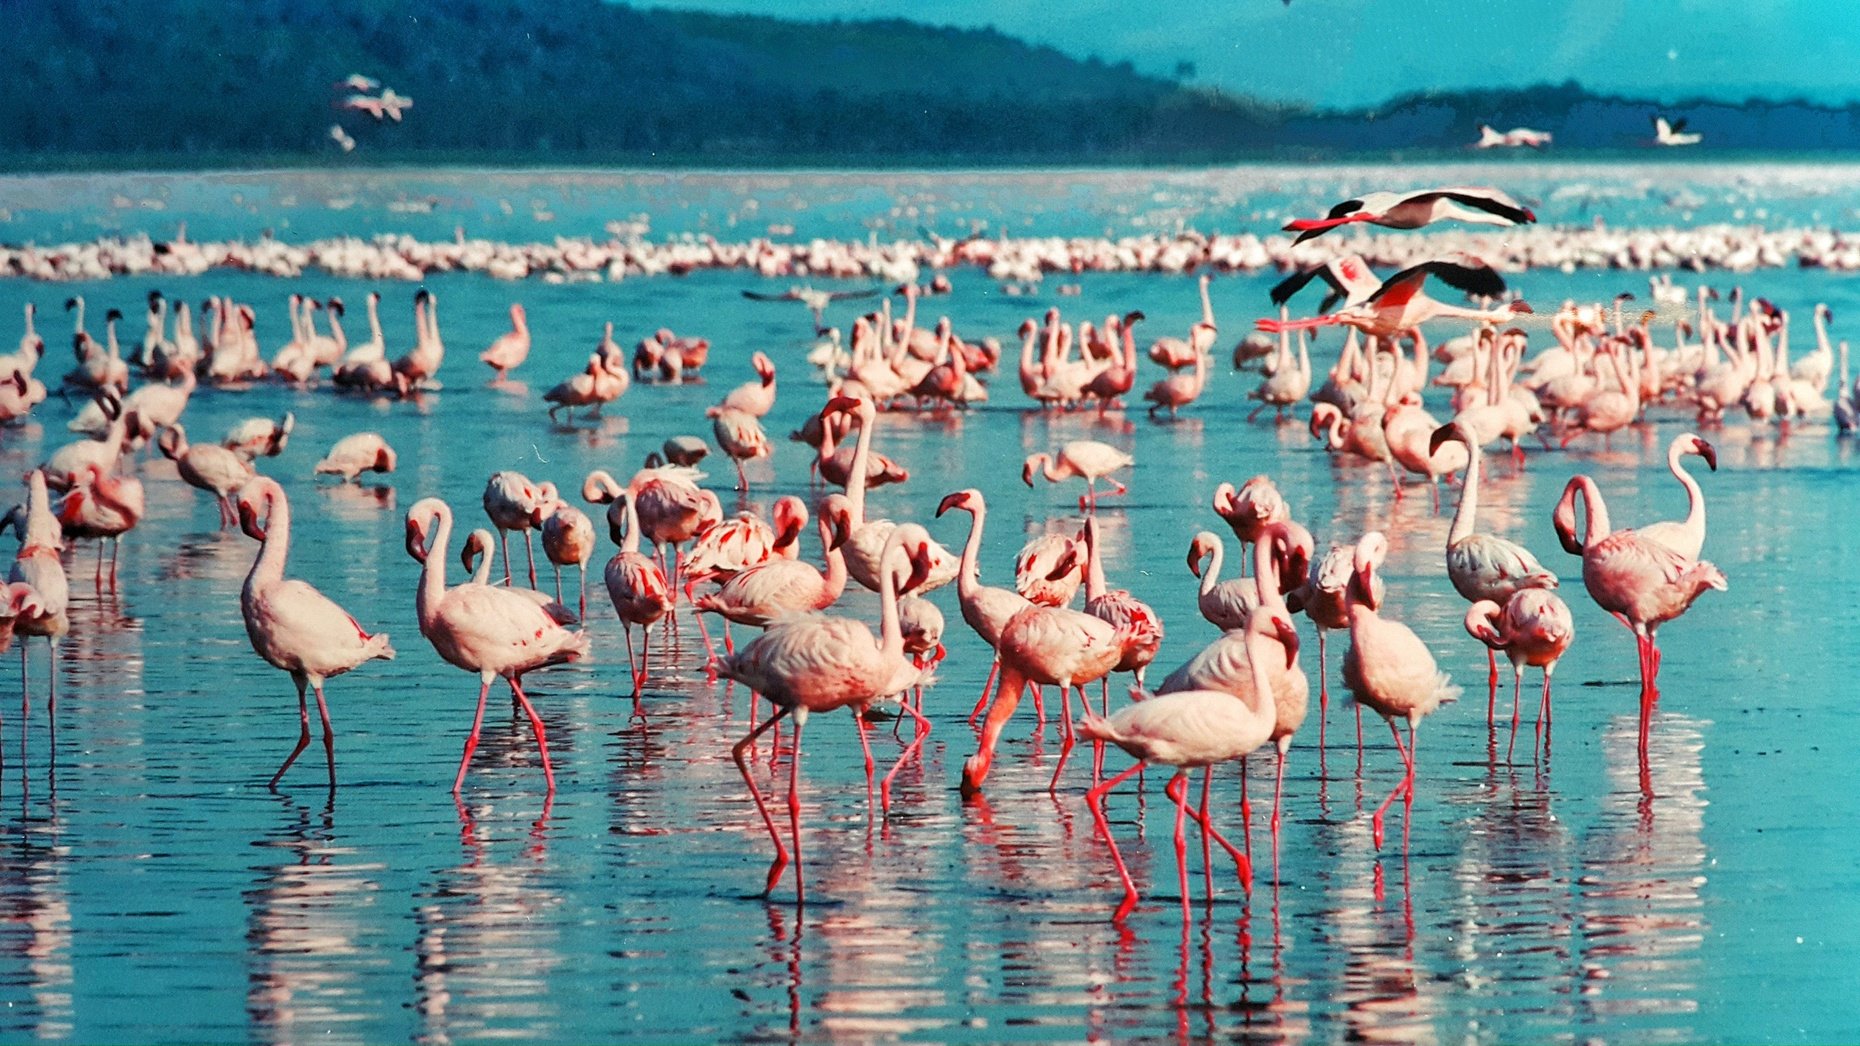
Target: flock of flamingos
1609,365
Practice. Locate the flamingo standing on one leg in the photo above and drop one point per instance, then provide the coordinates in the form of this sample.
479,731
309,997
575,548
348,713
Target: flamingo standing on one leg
1534,627
1643,582
639,590
1388,668
292,625
484,629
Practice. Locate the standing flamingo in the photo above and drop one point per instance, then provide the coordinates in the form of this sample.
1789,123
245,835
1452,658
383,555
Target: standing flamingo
41,540
1484,566
740,436
985,608
105,506
480,628
1388,668
207,466
867,536
1534,627
515,503
292,625
1686,537
1248,510
357,453
1642,581
568,541
781,587
639,591
511,348
1081,458
817,664
1139,630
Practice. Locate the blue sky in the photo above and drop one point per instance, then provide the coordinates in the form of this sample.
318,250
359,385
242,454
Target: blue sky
1352,52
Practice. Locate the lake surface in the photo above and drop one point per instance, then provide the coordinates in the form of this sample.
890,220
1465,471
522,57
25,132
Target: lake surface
154,889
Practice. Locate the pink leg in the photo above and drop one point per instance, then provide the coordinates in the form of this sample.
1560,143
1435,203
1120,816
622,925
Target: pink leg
582,594
529,553
1177,789
794,811
981,702
1491,687
558,580
1039,709
916,745
736,753
1207,841
1401,789
1241,864
471,743
1278,792
1066,738
1323,694
536,725
632,666
865,745
1517,699
303,737
1246,814
329,733
1646,694
1543,711
503,538
1094,798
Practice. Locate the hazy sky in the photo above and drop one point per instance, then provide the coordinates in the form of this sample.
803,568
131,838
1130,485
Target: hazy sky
1349,52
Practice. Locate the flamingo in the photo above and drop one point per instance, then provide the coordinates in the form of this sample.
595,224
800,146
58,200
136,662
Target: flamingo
985,608
1479,205
1138,629
208,467
105,506
256,438
1179,390
1225,604
1349,278
1686,537
818,664
515,503
1322,598
1187,730
1642,581
1177,353
1534,627
1049,571
1400,305
1673,133
835,459
484,629
604,380
1484,567
780,587
755,398
355,454
639,592
1250,509
867,536
292,625
741,437
1080,458
725,549
568,541
37,563
1388,668
479,554
672,510
511,348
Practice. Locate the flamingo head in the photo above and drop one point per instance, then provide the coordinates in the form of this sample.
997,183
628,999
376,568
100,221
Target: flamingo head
1026,328
966,500
1033,462
1445,434
1706,451
836,511
1066,565
1293,547
385,459
1370,552
765,367
1479,623
1521,306
842,405
113,315
248,519
1199,549
789,516
921,560
1563,519
476,544
1224,500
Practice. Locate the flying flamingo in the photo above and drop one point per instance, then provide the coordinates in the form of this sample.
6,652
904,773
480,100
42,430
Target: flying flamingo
1399,305
1642,581
568,541
1534,627
292,625
1193,729
515,503
985,608
817,664
484,629
355,454
37,563
1412,210
639,592
1484,567
1388,668
208,467
1349,279
511,348
1086,458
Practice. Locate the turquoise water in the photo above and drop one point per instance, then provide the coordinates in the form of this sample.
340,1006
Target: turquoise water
155,890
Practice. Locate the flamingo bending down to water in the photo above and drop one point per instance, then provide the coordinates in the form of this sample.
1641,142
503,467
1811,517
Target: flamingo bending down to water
1642,581
358,453
817,664
1412,210
1192,729
1086,458
640,593
484,629
292,625
208,467
1534,627
1388,668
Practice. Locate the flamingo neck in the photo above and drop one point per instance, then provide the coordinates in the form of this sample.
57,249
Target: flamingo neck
1695,498
1466,516
862,453
835,577
374,319
1207,306
969,573
268,568
1209,576
1094,566
433,572
631,547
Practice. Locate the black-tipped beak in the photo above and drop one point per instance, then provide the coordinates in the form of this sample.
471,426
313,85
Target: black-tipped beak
248,521
1288,636
1068,562
920,568
1708,452
416,541
951,501
1440,436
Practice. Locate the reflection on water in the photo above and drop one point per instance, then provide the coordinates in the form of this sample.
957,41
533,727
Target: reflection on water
162,878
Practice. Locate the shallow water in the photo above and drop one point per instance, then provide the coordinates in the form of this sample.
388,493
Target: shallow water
155,890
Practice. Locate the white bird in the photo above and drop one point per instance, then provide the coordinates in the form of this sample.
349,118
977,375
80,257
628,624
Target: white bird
1674,133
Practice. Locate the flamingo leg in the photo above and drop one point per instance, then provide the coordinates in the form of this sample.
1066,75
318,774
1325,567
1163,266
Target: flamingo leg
329,732
794,809
865,745
916,745
1039,710
1207,842
1241,864
1491,687
1177,789
1094,798
471,743
582,592
632,667
645,664
1246,814
1007,697
736,753
503,539
303,737
1066,738
558,579
1646,694
529,553
1323,695
1543,713
536,725
1517,699
1403,788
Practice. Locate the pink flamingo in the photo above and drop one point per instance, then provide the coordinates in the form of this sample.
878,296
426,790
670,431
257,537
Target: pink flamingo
37,563
1687,536
292,625
780,586
672,509
511,348
206,466
985,608
478,555
1193,729
867,536
358,453
1081,458
817,664
1412,210
105,506
1049,570
1399,305
835,459
568,541
1249,509
515,503
1227,604
1139,630
755,398
1643,582
723,550
1322,599
740,436
1484,566
1388,668
484,629
639,592
1534,627
1178,390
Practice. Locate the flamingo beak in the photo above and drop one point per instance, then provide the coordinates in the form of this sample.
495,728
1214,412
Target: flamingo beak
1440,436
467,554
416,538
920,568
1706,451
1522,306
1194,558
1068,562
840,405
1288,636
248,521
1026,473
840,531
956,500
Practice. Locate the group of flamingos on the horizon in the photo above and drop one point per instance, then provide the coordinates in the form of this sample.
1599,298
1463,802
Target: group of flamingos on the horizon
1243,691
